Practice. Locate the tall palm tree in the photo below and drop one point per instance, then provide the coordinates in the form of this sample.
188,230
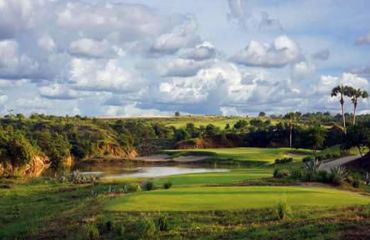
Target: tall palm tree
292,119
355,94
341,91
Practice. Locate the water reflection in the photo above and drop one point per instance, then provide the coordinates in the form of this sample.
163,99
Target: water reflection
146,171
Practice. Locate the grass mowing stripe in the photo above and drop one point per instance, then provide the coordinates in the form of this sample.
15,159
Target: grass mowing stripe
231,198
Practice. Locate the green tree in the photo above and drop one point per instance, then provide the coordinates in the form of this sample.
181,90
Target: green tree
341,91
358,136
316,134
292,119
355,95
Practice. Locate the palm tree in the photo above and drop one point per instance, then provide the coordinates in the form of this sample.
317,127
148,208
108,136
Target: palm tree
342,91
355,94
292,119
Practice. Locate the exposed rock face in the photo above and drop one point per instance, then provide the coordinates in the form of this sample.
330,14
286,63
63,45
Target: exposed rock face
36,167
131,153
67,162
2,169
112,150
191,144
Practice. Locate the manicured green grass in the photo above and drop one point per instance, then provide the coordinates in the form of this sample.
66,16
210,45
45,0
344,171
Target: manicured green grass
230,198
217,178
218,121
246,154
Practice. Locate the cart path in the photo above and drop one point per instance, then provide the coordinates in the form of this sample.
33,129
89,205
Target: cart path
338,162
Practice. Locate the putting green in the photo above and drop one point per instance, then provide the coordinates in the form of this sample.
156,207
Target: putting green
231,198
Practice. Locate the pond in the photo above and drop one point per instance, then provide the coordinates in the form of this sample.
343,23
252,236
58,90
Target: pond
147,171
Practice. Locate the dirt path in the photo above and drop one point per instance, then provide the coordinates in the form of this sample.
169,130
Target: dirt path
337,162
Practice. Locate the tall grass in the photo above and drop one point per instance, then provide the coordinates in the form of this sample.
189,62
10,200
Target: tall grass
282,211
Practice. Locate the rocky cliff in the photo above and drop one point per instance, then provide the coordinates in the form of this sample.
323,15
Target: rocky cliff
37,165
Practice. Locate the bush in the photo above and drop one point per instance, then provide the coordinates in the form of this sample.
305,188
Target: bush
148,186
283,160
338,175
77,178
323,176
119,229
162,224
354,181
89,232
296,173
146,228
282,211
308,159
130,188
280,173
167,185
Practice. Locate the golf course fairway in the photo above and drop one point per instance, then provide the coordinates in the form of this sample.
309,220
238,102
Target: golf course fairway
233,198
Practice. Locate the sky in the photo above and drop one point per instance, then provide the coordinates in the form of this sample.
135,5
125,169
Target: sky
155,57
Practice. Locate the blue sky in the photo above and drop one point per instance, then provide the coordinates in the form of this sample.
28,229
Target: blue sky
135,58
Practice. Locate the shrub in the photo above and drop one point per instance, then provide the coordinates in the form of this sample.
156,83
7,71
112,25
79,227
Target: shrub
296,173
167,185
163,224
282,211
119,229
280,173
106,227
354,180
89,232
148,186
323,176
130,188
311,167
77,178
308,159
283,160
146,228
338,175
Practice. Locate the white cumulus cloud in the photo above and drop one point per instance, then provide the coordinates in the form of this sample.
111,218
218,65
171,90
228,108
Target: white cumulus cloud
281,52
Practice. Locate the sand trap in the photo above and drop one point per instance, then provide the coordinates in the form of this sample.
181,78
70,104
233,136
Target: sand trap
167,158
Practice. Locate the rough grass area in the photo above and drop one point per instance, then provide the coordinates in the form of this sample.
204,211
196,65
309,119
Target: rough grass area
245,154
231,198
44,208
305,223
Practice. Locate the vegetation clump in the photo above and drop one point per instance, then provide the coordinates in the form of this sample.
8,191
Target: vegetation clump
146,228
147,186
88,232
163,223
283,160
131,188
167,185
77,177
280,173
282,211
